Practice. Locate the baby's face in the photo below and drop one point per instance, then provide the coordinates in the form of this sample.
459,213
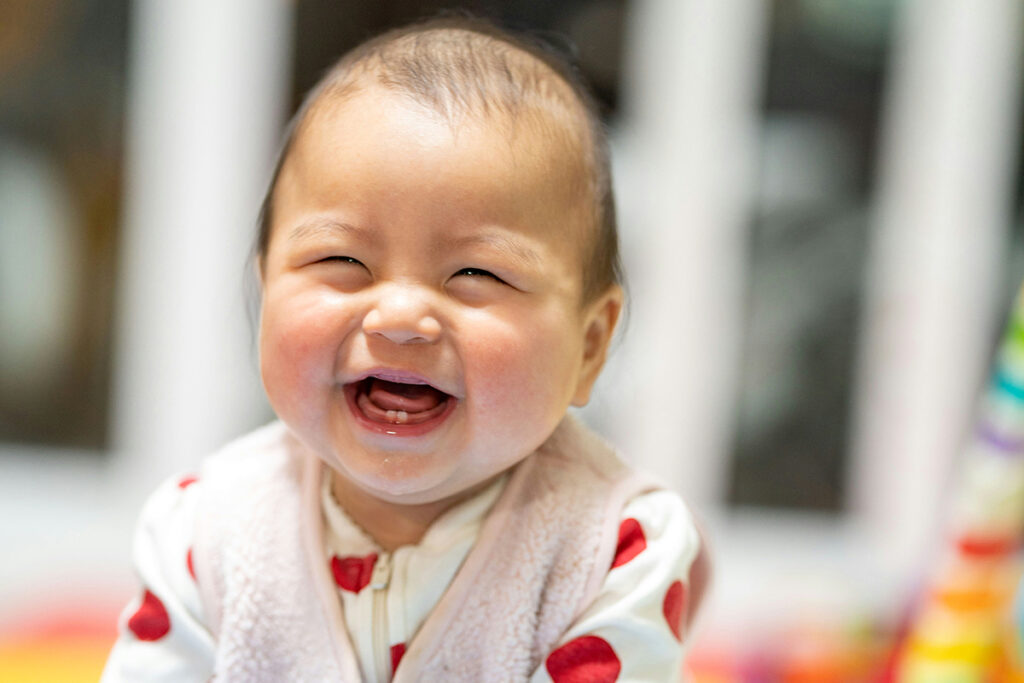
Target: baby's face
422,326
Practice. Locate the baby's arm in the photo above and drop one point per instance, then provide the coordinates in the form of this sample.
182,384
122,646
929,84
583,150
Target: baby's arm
637,628
162,636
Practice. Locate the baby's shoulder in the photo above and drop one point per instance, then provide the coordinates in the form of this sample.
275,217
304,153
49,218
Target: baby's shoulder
265,448
660,518
659,535
659,507
262,453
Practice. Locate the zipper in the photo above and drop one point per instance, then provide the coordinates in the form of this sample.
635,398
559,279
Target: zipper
381,649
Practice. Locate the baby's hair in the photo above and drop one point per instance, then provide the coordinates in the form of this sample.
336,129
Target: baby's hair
467,66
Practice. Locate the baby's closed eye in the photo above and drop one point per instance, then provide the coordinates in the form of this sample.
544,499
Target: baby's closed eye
341,259
343,272
478,285
478,272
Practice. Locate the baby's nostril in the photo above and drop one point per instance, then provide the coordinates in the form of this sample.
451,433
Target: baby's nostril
402,324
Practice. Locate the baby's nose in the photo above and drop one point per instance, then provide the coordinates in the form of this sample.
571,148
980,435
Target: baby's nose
402,316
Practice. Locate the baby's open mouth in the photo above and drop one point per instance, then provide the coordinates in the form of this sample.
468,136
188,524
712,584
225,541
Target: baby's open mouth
399,403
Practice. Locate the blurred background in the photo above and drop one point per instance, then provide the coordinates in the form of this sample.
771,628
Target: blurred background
820,205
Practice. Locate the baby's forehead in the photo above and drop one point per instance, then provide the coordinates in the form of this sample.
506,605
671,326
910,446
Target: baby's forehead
483,167
542,137
560,121
460,74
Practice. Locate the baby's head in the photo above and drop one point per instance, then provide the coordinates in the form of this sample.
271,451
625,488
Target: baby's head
439,260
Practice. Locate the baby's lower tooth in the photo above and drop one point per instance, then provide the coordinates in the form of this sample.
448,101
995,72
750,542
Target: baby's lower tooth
402,417
392,416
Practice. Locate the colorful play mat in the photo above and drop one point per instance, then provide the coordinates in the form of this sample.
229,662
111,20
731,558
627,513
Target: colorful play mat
63,641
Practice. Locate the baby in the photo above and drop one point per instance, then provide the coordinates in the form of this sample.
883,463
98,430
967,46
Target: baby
439,268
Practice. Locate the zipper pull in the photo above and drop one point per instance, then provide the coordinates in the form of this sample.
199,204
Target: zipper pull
381,575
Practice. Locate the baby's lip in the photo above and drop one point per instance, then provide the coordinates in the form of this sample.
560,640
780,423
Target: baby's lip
397,375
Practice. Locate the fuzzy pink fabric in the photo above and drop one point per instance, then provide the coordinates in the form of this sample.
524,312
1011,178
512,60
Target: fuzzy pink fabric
541,558
263,599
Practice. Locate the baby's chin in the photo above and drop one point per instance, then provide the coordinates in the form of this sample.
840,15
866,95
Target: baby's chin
400,486
399,479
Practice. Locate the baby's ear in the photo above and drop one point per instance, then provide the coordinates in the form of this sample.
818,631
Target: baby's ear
258,264
599,326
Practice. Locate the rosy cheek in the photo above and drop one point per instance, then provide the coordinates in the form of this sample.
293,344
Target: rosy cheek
298,344
512,367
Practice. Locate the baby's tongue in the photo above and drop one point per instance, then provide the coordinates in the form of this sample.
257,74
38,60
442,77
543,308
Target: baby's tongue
412,398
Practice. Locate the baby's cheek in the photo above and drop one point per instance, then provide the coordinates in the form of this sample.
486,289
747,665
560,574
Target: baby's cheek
284,380
297,352
286,356
301,328
520,369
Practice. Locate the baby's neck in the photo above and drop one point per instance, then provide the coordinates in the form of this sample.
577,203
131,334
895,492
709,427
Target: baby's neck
392,525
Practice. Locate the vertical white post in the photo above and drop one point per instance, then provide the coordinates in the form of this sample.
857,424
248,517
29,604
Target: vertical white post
941,215
207,95
692,85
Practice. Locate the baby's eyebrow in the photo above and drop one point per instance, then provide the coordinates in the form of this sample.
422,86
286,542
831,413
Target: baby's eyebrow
330,227
326,227
503,243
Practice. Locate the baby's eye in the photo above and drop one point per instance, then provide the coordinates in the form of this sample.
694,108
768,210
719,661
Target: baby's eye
478,285
342,272
341,259
478,272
